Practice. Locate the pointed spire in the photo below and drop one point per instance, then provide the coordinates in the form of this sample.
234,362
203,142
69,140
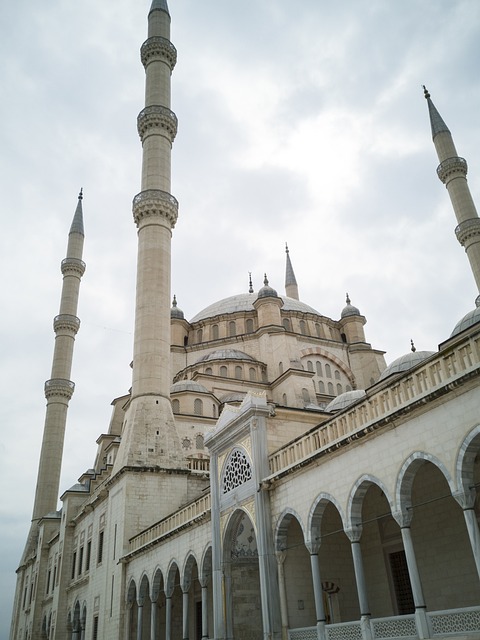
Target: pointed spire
77,222
291,287
160,5
250,284
436,121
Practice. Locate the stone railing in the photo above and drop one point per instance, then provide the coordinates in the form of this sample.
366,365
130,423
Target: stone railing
436,376
455,621
199,465
177,520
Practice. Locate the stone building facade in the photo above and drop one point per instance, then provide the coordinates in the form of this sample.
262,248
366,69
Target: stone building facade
267,476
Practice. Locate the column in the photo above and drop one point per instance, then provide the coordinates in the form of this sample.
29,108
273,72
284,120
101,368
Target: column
418,598
474,534
203,584
318,595
185,614
140,620
153,620
354,537
168,617
281,556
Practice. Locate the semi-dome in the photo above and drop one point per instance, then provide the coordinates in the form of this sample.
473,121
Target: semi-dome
244,302
406,362
188,385
345,399
468,320
349,309
226,354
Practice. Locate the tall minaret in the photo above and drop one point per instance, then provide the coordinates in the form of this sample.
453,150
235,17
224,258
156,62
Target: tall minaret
59,389
291,287
149,435
452,171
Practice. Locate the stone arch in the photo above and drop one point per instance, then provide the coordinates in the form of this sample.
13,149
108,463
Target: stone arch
331,357
467,453
406,476
170,579
206,563
144,588
131,591
282,525
76,617
157,582
357,494
315,515
187,572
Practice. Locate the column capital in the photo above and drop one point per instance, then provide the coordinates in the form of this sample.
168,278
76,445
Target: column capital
354,533
158,120
160,49
452,168
403,517
155,202
466,499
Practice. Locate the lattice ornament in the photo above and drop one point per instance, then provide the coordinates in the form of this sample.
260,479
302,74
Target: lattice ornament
237,471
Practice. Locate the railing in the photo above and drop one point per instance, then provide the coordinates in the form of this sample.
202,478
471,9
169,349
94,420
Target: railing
435,376
304,633
394,627
177,520
344,631
199,465
454,621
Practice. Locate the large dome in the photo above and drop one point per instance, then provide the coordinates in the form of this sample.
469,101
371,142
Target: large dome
244,302
406,362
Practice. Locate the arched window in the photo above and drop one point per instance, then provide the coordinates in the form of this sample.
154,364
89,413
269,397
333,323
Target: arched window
280,367
198,407
175,406
321,387
208,371
286,324
223,371
215,332
318,364
303,327
199,335
252,374
328,371
318,330
305,395
214,410
348,388
330,389
310,365
284,398
249,325
199,441
339,389
238,372
232,329
337,374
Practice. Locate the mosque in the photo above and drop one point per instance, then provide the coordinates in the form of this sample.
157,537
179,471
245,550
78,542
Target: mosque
267,476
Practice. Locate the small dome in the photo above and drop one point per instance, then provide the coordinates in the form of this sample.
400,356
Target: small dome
188,385
226,354
349,310
232,397
267,291
176,312
345,400
468,320
406,362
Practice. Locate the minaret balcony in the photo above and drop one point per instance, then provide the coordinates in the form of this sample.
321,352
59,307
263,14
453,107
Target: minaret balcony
59,387
155,202
73,267
157,120
452,167
467,229
158,49
66,322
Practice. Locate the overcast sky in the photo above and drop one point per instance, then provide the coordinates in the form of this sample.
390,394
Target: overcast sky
298,121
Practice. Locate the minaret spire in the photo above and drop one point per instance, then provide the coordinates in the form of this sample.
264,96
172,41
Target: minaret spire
149,435
291,287
59,389
452,171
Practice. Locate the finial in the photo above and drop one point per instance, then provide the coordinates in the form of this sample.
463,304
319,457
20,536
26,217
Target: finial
425,92
174,301
286,247
250,285
413,348
477,301
80,195
348,299
265,280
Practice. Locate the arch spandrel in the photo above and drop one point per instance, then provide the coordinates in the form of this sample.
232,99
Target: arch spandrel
157,584
187,572
356,498
170,578
315,516
281,528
